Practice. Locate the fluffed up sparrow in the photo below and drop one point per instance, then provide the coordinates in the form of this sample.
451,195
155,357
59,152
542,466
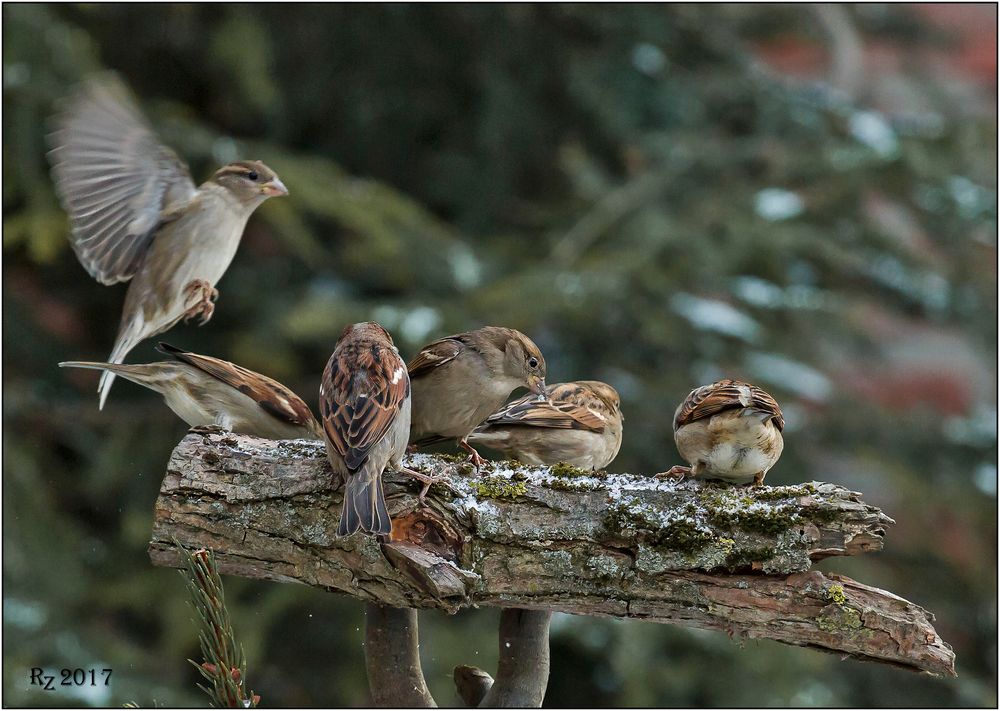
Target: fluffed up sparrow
136,214
460,380
728,430
205,391
579,423
364,401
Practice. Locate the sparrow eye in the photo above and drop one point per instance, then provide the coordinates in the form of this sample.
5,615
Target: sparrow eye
253,175
532,362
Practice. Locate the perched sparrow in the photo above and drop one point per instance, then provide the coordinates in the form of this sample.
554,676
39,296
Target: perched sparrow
459,380
364,401
205,391
580,423
137,215
728,430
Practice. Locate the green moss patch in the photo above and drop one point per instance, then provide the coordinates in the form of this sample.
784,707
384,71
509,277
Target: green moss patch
567,470
495,487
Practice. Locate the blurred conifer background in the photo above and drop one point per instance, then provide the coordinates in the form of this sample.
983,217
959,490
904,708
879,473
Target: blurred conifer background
800,196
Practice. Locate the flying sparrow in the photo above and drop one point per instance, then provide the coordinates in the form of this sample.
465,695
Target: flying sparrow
459,380
579,423
728,430
205,391
364,401
136,214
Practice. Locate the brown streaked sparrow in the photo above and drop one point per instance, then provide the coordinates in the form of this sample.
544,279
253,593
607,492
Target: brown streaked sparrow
205,391
728,430
364,401
136,214
579,423
460,380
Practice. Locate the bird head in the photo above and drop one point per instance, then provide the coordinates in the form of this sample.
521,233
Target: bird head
250,181
523,361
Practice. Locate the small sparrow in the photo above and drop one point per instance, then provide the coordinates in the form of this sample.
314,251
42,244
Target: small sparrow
364,401
136,214
205,391
580,423
460,380
728,430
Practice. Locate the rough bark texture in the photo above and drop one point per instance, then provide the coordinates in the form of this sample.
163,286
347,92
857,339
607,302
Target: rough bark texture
704,555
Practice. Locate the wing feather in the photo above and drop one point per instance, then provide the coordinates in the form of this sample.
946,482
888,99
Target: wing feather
434,355
114,178
363,389
569,406
726,395
273,397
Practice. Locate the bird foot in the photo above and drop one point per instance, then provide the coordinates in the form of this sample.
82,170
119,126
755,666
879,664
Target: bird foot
475,458
675,472
758,480
428,479
204,295
412,449
477,461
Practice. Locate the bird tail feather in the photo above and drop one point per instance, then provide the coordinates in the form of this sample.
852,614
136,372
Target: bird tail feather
141,374
128,337
364,505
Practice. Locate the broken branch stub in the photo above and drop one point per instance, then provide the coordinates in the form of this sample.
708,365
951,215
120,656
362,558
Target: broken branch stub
558,539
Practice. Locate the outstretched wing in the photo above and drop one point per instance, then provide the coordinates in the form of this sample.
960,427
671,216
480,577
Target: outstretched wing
362,392
434,355
725,395
272,396
114,178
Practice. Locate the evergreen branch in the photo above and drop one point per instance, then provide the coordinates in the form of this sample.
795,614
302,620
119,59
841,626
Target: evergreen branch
224,665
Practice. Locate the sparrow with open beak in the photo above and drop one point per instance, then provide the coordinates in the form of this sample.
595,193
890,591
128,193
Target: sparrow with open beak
136,214
364,401
579,423
459,380
728,430
205,391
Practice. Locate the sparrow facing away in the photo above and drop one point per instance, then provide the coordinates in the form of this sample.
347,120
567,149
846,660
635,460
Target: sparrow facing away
136,214
205,391
580,423
460,380
364,402
728,430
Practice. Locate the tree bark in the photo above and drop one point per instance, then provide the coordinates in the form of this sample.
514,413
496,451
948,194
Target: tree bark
523,667
552,539
392,658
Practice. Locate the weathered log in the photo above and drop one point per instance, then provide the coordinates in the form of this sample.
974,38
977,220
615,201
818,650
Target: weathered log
700,554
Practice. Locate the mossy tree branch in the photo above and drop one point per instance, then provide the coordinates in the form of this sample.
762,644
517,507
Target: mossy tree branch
705,555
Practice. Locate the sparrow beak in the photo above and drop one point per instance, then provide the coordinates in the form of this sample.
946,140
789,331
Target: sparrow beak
537,385
273,188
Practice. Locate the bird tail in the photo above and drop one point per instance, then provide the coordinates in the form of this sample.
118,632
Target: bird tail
364,505
141,374
429,440
128,337
495,438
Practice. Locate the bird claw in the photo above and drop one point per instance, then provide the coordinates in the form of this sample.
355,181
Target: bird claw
477,461
475,458
205,295
428,480
675,472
